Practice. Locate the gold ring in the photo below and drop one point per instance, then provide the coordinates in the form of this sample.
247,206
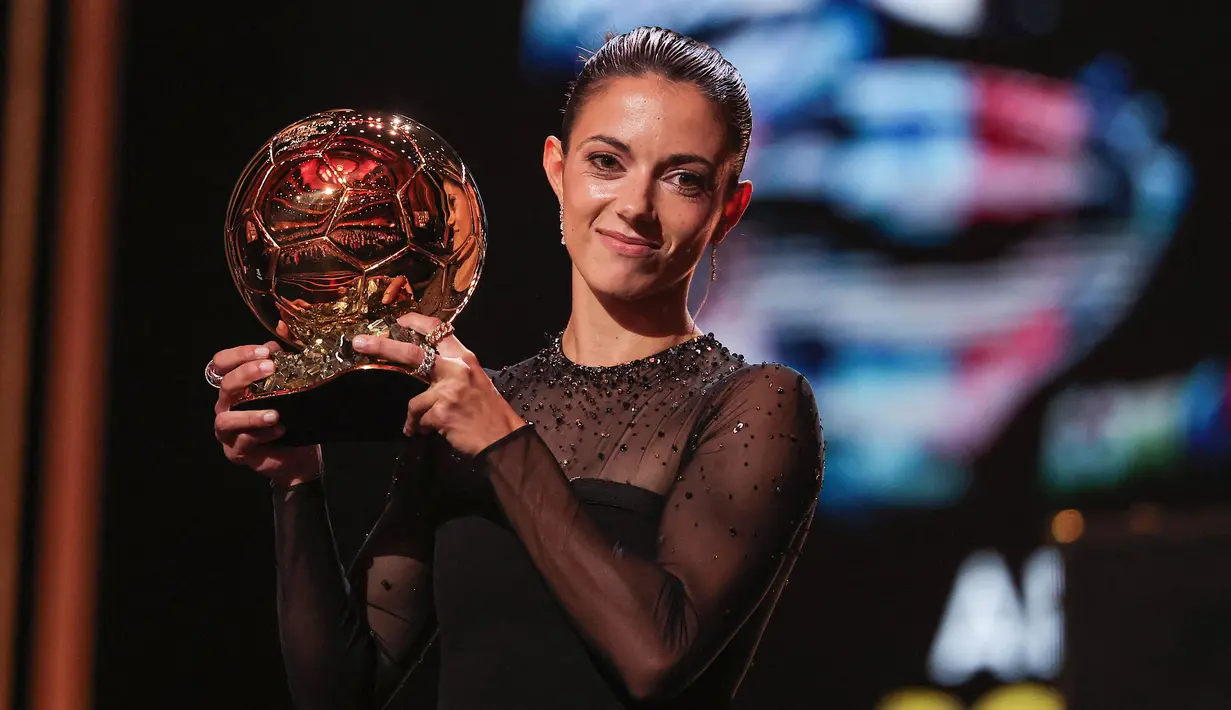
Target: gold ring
439,333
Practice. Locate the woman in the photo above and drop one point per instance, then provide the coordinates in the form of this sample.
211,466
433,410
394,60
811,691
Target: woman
607,524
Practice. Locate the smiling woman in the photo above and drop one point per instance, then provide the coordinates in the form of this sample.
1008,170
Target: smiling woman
607,524
654,137
644,182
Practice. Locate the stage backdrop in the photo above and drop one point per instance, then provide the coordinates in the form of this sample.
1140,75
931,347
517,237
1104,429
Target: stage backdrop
987,230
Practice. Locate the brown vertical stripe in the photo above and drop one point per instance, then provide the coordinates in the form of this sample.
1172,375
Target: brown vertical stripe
76,357
24,92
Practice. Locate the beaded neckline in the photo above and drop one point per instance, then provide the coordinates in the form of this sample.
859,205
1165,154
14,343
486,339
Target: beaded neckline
677,357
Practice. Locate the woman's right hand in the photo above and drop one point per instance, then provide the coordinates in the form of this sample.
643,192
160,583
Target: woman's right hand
250,438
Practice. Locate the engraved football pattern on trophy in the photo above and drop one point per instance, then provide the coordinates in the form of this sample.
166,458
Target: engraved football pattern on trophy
341,223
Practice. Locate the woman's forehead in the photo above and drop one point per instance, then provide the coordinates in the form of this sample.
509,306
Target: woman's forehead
653,114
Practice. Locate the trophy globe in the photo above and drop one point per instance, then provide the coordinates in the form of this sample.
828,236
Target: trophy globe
340,224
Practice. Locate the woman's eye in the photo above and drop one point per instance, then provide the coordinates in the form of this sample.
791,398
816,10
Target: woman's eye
691,183
604,161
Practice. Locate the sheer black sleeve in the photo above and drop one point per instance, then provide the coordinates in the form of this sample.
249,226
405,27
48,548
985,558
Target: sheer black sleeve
348,639
737,510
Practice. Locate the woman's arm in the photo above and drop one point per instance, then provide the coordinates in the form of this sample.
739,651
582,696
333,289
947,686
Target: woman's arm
349,639
750,482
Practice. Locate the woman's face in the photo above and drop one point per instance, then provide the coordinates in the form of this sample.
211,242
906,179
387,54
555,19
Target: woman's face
460,223
461,227
645,186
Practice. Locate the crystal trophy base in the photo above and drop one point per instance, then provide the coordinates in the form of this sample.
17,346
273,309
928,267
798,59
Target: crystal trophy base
330,393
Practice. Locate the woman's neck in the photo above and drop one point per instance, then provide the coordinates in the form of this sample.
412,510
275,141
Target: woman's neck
604,331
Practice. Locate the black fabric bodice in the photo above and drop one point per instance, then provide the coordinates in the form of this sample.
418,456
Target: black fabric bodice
655,505
503,640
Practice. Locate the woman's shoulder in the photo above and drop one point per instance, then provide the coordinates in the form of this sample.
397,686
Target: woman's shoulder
772,377
516,377
768,398
517,370
768,370
770,389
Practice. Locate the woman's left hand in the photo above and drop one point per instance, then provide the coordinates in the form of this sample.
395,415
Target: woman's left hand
461,402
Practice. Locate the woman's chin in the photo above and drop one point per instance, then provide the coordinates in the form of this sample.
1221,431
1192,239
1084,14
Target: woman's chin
622,286
625,279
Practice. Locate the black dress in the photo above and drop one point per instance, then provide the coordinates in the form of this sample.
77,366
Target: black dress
624,549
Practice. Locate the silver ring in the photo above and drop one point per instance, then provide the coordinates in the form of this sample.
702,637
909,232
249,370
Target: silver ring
212,376
424,370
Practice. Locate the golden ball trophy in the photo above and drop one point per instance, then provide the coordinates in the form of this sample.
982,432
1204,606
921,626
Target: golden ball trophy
340,224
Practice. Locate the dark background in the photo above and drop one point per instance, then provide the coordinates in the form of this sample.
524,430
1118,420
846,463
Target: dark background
186,607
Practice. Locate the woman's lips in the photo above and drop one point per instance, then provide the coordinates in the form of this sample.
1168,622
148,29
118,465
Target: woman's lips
627,244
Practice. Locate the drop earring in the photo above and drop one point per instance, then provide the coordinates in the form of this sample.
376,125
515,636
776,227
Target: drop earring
562,224
713,275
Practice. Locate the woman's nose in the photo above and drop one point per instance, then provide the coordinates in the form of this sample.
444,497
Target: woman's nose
635,201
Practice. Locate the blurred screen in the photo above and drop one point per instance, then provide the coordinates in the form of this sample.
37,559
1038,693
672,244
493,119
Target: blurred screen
935,238
950,218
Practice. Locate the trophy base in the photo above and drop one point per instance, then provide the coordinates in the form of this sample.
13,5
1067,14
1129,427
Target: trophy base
364,404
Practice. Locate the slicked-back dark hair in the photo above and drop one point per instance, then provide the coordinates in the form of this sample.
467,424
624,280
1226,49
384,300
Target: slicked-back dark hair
675,57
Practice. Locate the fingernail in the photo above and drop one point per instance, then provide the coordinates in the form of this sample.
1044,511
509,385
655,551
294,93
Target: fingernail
262,352
270,417
361,342
267,366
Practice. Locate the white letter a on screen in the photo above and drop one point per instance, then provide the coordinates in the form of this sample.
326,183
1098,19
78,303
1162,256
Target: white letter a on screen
986,627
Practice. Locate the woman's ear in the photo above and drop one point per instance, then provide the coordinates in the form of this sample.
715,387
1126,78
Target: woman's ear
732,210
553,165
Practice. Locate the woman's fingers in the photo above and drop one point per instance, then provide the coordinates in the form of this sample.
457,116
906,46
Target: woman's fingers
249,439
415,410
235,382
389,349
247,446
241,432
284,331
231,358
234,423
391,293
449,346
239,368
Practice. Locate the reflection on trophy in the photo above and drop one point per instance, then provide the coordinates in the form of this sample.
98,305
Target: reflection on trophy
341,223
